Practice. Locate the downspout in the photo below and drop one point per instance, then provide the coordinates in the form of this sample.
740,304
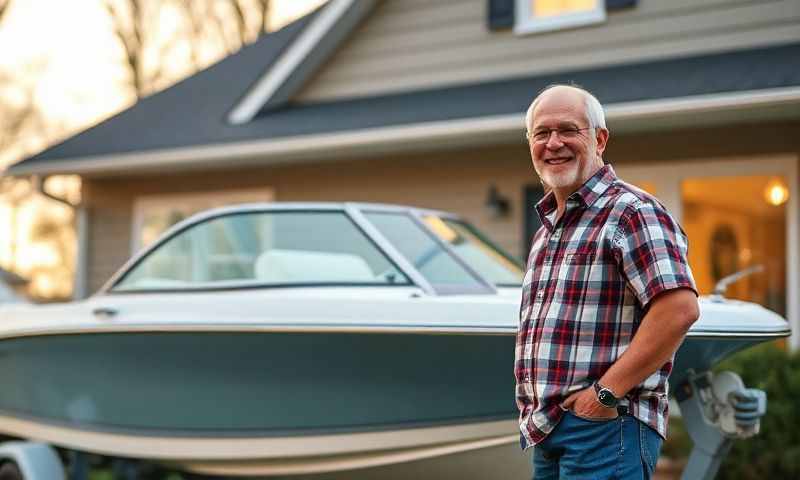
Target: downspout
82,230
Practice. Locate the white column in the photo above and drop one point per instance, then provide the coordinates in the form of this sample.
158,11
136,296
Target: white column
82,260
793,256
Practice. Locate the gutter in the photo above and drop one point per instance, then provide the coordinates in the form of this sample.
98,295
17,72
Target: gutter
629,117
82,229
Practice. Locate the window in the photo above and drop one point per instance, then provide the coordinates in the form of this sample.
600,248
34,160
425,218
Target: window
543,15
737,214
737,222
153,215
264,248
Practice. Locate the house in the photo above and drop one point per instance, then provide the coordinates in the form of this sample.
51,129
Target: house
422,103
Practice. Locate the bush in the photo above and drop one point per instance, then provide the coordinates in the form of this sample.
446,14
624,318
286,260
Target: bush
775,451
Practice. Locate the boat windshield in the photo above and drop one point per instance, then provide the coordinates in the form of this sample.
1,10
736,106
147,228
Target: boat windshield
264,248
439,267
478,251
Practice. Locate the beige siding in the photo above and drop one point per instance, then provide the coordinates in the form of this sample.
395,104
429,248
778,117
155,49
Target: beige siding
413,44
455,181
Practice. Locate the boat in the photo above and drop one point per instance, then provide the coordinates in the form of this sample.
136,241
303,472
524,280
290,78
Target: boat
319,340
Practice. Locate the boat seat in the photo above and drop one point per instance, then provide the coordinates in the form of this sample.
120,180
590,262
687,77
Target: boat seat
304,266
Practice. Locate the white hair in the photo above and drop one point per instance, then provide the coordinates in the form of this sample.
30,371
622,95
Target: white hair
594,110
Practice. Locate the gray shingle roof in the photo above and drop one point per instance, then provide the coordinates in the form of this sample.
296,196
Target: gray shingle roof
192,113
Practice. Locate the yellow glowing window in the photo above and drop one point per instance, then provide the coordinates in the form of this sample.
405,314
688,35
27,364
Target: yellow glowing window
549,8
545,15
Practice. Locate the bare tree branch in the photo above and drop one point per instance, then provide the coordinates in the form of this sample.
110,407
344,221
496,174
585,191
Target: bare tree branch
4,4
196,11
127,27
241,21
264,6
16,117
135,24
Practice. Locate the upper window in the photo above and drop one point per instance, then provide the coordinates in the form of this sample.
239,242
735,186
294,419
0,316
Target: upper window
267,248
543,15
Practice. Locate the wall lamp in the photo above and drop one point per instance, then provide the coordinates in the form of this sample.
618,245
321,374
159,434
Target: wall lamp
498,205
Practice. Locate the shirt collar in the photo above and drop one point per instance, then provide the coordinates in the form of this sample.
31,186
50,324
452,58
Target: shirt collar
587,194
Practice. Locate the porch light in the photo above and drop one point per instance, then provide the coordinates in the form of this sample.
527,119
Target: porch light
498,205
776,193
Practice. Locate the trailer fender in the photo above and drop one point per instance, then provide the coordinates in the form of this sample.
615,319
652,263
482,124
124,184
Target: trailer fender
36,461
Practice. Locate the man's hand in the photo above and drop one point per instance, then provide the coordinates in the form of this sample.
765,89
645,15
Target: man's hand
584,403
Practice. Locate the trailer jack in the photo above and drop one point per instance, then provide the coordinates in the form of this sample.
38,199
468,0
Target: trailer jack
717,409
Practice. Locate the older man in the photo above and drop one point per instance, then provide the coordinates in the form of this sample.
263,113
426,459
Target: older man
607,298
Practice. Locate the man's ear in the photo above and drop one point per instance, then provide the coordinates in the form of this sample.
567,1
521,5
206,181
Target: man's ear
601,136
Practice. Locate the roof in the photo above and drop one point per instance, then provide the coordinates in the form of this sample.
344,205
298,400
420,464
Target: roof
175,128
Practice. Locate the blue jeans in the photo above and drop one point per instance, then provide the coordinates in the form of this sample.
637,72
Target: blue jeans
623,448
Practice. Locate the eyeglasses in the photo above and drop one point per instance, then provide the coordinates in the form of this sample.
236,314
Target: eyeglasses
543,135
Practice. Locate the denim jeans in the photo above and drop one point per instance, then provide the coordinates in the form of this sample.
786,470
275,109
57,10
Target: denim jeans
623,448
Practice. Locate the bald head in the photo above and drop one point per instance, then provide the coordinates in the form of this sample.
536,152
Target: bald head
592,107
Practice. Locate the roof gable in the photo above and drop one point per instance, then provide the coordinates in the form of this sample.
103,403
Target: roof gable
302,58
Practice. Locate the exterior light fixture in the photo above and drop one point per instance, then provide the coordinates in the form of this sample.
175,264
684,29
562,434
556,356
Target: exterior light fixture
498,205
776,192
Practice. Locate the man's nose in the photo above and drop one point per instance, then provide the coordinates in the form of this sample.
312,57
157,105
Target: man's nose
553,140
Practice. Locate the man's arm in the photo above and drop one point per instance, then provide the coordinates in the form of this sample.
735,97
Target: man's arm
658,337
651,251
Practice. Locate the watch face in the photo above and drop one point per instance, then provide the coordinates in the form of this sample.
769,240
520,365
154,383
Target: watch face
606,398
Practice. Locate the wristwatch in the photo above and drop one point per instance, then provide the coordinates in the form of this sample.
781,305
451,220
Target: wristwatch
605,396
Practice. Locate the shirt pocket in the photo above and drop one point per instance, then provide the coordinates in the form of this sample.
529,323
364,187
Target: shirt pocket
577,263
575,273
581,253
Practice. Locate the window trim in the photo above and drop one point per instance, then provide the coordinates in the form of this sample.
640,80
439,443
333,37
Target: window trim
526,23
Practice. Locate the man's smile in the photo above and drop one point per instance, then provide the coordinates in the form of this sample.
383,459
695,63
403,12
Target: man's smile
557,160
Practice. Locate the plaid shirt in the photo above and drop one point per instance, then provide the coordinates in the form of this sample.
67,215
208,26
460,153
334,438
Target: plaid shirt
589,280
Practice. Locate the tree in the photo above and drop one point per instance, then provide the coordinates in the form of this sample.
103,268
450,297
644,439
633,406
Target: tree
157,35
22,125
160,41
4,4
23,129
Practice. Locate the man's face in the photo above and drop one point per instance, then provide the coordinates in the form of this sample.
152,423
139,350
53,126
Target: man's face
565,161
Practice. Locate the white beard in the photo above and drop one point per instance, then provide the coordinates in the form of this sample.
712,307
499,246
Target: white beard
560,180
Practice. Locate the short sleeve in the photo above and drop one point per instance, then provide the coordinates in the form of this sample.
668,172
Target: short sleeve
652,251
